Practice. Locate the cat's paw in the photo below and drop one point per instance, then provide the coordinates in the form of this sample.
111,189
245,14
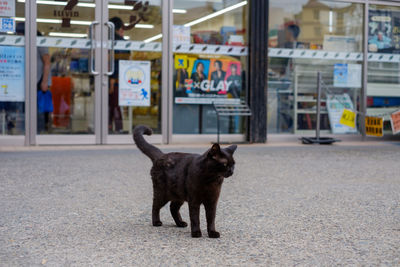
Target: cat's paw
196,234
213,234
157,223
182,224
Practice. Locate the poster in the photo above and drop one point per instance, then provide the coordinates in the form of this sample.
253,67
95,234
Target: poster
395,122
335,105
347,75
384,31
7,8
181,35
134,83
204,81
12,73
374,126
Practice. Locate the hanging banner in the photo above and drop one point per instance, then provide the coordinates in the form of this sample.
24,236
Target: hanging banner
374,126
12,73
395,122
204,81
348,118
335,105
134,83
7,8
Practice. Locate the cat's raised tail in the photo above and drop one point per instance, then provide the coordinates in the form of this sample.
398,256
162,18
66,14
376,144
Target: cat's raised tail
149,150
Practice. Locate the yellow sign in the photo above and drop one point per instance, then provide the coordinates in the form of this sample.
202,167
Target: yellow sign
348,118
181,62
374,126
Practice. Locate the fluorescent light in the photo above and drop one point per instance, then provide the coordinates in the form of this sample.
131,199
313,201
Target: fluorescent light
66,34
330,21
143,26
54,3
120,7
75,22
158,36
179,11
127,38
215,14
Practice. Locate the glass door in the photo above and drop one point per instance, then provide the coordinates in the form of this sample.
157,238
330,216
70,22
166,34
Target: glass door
68,34
133,68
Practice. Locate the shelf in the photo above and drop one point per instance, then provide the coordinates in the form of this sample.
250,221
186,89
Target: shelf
310,111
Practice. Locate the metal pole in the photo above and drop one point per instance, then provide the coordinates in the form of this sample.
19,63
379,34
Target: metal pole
318,106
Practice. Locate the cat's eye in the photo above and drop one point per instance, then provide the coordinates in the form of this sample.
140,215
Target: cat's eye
225,164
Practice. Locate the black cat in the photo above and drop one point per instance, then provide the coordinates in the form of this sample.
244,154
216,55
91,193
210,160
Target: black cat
180,177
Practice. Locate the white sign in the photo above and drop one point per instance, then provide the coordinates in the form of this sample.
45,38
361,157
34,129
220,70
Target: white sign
347,75
335,105
7,24
7,8
134,83
181,35
12,73
346,43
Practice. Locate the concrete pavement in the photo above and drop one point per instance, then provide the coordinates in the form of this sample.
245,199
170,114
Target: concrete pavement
294,205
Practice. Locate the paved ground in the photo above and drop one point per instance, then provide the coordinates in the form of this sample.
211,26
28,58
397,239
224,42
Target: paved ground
284,206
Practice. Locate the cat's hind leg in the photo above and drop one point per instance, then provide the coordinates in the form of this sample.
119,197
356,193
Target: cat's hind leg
174,207
158,203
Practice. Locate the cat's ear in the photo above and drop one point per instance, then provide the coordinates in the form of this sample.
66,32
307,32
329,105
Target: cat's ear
231,149
215,150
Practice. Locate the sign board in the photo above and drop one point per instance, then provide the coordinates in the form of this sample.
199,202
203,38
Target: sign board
374,126
348,118
395,121
181,35
204,80
12,73
7,8
335,105
134,83
7,24
347,75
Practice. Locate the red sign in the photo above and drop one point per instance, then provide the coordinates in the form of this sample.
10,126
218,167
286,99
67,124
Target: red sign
395,120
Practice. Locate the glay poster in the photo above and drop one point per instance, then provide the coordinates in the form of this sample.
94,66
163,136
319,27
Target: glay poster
134,83
204,81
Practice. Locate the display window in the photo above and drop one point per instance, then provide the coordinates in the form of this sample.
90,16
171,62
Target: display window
383,93
306,37
210,54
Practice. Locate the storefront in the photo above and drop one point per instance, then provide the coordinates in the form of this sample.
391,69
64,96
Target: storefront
111,65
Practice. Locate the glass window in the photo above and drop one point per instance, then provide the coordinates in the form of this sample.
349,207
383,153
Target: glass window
210,54
306,37
383,95
12,69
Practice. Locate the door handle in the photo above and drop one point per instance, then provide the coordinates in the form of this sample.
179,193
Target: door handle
111,37
92,49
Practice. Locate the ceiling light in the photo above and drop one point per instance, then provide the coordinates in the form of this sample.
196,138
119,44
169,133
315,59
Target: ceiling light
74,22
151,39
215,14
179,11
143,26
66,34
54,3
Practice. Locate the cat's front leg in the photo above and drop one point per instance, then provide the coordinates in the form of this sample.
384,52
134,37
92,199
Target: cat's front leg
194,213
211,210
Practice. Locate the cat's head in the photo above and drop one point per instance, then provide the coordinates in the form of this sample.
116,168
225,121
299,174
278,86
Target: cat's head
220,160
